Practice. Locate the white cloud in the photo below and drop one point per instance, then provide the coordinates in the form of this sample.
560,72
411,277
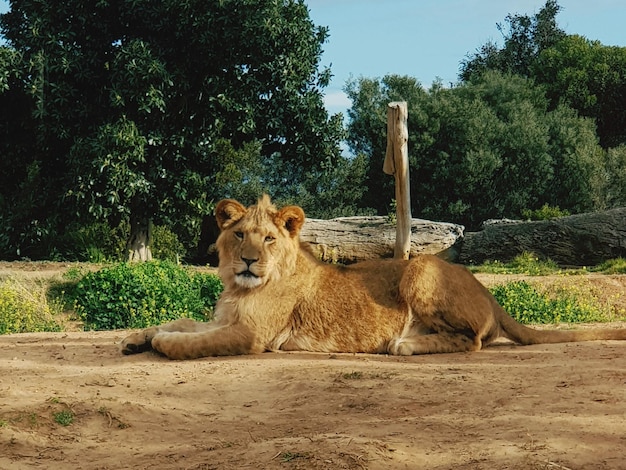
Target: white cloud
337,101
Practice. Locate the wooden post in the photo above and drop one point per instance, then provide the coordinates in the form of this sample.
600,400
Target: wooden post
397,164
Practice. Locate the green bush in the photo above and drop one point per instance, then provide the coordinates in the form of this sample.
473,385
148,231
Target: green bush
612,266
95,243
24,308
527,305
63,292
545,213
166,245
529,263
139,295
99,243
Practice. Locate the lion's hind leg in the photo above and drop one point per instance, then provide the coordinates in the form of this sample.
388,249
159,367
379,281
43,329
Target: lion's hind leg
433,343
141,341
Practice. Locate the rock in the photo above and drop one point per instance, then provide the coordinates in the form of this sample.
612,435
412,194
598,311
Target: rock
577,240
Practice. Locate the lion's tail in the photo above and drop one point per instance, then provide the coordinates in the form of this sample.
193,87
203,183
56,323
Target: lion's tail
521,334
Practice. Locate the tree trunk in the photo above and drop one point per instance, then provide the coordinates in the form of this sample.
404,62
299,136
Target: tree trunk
207,252
352,239
138,244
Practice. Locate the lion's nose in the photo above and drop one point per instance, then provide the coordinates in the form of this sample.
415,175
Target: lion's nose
248,261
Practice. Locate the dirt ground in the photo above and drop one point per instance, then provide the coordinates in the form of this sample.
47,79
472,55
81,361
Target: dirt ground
506,407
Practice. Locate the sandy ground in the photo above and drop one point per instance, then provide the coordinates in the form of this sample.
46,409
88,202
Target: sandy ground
507,407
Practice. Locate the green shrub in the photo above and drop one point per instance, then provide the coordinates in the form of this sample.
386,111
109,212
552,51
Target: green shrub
166,245
527,305
95,243
529,263
98,243
612,266
24,308
63,292
64,418
139,295
545,213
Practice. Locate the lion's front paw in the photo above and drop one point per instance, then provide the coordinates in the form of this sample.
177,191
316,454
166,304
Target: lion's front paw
399,347
137,342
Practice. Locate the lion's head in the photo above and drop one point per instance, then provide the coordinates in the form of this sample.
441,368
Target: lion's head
257,244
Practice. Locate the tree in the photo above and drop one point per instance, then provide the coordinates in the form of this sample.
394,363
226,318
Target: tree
612,180
583,74
589,77
367,129
488,148
578,162
131,100
20,179
525,37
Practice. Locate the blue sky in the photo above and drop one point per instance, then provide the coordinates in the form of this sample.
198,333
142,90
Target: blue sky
427,39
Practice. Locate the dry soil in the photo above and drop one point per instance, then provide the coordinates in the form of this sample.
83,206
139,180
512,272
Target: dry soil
506,407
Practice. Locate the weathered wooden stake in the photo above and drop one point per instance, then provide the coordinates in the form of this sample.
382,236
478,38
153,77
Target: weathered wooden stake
397,164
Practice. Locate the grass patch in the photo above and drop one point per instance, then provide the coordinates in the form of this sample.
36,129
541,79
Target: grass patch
529,264
554,304
612,266
291,456
64,418
355,375
25,307
526,263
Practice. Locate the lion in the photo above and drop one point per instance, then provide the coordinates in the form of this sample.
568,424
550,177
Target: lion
279,297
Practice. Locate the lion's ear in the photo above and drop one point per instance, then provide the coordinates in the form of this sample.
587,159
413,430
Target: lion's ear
292,218
227,212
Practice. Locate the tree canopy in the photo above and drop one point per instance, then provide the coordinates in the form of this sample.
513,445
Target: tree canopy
582,73
134,102
487,148
591,78
525,37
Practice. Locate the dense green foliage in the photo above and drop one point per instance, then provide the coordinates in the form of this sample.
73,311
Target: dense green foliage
614,174
579,72
127,108
139,295
487,148
545,212
591,78
524,303
612,266
525,37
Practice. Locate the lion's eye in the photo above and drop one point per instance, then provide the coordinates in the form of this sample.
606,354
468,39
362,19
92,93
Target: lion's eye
239,235
269,239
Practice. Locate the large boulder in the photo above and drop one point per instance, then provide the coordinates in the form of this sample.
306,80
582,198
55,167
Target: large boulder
352,239
578,240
